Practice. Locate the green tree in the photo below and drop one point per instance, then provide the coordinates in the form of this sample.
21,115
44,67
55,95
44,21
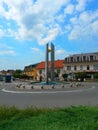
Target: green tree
96,76
65,76
80,75
18,73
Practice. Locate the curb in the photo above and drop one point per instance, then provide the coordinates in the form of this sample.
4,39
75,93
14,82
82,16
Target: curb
45,92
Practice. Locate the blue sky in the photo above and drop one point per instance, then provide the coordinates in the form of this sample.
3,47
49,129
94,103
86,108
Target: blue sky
27,25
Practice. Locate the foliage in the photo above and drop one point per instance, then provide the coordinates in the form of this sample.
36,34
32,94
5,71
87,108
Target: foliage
56,74
96,76
80,75
64,75
19,74
73,118
22,76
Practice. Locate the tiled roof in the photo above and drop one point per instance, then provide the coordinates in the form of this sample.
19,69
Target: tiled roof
41,65
57,64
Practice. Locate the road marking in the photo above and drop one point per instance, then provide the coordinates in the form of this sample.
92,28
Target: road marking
46,92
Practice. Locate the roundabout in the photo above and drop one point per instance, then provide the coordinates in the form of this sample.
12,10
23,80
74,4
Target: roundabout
21,97
48,89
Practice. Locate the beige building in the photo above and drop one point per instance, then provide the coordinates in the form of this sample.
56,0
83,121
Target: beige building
31,71
86,62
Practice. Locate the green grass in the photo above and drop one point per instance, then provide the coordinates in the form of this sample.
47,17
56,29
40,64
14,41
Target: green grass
73,118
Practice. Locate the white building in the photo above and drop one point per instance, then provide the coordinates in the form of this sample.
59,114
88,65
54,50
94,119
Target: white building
87,62
58,66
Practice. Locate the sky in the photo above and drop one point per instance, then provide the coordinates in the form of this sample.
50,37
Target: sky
26,26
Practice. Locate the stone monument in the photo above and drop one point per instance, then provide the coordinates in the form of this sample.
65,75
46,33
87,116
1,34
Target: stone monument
49,50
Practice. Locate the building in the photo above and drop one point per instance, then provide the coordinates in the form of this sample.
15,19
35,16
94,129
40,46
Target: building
31,71
3,72
86,62
58,65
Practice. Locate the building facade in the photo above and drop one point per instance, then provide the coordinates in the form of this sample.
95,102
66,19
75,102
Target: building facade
58,66
31,71
87,62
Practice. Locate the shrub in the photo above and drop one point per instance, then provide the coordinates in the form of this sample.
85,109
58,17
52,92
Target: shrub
96,76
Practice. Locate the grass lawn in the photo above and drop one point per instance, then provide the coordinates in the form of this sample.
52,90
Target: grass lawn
72,118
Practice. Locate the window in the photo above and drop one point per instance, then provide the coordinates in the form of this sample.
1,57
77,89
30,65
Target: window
88,67
77,58
75,67
95,67
84,58
68,67
91,58
58,71
81,67
40,71
65,59
71,59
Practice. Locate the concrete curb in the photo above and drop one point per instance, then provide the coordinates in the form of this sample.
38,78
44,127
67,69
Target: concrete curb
47,91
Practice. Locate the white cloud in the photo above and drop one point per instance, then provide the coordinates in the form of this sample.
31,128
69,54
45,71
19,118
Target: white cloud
6,50
81,5
67,28
44,20
51,36
75,33
60,18
1,33
87,17
35,49
94,27
4,46
69,9
85,25
28,15
38,52
60,52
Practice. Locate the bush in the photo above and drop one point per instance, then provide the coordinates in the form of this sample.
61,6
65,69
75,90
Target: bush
65,76
96,76
80,75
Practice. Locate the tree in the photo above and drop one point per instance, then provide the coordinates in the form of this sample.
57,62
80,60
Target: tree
96,76
17,74
56,75
65,76
80,75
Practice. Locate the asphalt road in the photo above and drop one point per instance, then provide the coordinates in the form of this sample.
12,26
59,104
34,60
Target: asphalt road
49,100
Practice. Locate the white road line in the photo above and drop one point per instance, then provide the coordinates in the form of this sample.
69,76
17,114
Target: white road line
46,92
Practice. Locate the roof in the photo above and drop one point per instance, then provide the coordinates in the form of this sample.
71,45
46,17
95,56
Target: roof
31,66
83,54
57,64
